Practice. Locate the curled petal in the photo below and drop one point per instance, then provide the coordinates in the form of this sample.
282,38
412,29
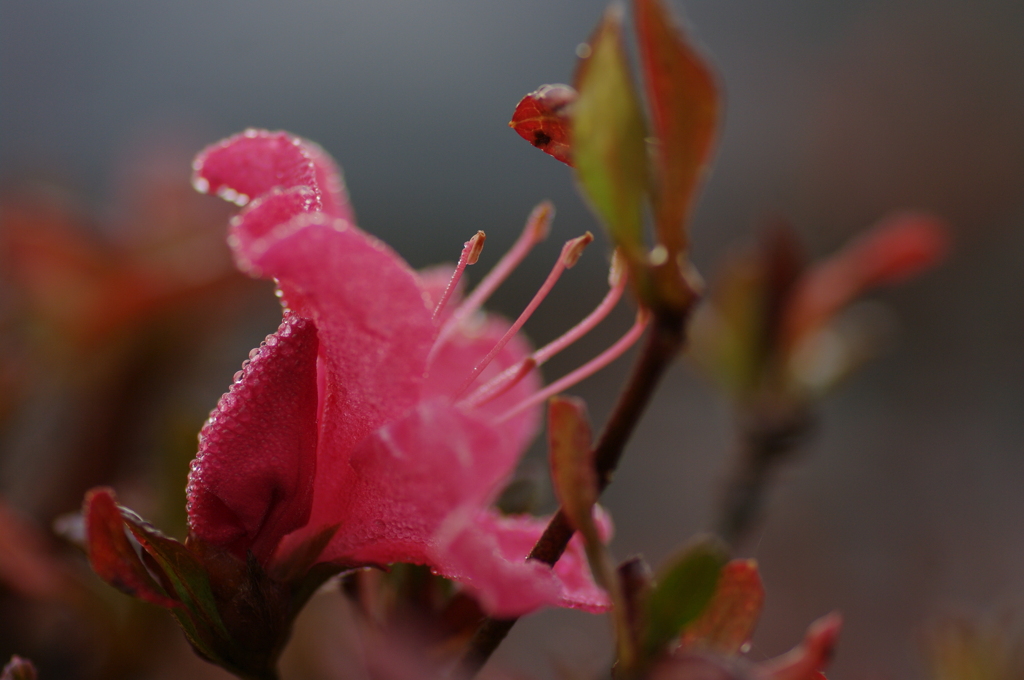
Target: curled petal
263,215
254,162
487,553
252,480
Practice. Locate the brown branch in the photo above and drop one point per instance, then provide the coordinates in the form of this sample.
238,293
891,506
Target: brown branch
768,436
664,341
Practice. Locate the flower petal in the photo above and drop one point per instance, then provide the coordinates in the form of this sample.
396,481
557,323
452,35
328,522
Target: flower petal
263,215
374,325
454,360
252,163
487,553
252,480
403,480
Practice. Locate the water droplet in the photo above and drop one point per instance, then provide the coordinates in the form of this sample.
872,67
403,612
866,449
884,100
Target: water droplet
238,375
201,184
227,193
255,352
658,255
744,648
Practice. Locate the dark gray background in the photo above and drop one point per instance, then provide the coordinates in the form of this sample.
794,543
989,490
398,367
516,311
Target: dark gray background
909,502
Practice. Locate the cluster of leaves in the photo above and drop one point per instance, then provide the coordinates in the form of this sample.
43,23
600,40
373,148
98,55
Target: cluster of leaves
623,162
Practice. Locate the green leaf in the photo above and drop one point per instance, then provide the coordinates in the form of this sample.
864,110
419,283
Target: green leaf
684,103
608,138
682,591
189,579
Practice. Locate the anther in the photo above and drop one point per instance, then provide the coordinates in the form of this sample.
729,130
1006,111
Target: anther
536,230
585,371
470,255
570,254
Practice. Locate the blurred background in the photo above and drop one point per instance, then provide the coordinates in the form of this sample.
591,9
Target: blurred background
121,320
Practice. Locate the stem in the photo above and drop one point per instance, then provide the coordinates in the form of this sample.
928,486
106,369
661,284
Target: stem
768,437
665,340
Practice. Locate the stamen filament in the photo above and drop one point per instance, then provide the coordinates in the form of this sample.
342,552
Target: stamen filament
618,280
500,384
470,254
586,370
570,254
512,375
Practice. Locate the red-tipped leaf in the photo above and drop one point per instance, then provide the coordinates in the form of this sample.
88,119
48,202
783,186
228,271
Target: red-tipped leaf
542,119
112,555
728,622
897,248
684,105
572,462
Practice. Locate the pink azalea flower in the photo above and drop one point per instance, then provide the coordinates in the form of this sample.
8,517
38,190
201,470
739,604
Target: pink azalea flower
385,405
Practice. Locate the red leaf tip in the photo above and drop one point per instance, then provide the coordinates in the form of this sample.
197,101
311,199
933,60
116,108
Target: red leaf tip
542,119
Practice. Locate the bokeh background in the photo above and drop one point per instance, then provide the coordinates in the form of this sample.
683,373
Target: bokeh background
121,322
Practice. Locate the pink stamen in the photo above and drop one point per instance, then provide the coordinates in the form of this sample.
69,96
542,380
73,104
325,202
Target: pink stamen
570,254
617,279
501,384
535,231
470,254
512,375
584,371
